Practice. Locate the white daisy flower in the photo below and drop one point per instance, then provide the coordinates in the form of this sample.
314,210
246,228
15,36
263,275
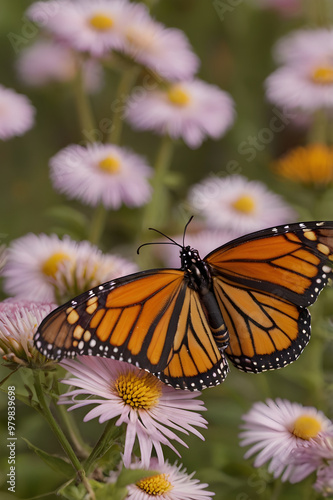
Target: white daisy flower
16,113
307,86
279,427
313,455
171,483
101,173
300,46
50,269
19,320
149,408
163,50
237,204
94,27
189,110
47,61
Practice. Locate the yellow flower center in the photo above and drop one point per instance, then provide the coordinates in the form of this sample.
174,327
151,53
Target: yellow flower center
110,164
155,485
312,164
323,75
178,96
50,266
306,427
101,22
139,390
245,204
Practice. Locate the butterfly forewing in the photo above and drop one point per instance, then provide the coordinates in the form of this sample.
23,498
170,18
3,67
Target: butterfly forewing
288,261
151,319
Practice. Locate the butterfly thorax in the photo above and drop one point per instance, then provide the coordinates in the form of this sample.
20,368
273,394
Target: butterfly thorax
196,270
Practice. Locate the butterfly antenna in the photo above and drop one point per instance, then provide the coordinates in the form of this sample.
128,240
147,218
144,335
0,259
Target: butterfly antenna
172,242
185,228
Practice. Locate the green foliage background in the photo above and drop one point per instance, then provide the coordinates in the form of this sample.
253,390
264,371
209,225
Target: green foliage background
235,51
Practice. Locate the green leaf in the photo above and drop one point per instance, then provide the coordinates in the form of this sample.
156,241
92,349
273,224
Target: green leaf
111,491
131,476
56,463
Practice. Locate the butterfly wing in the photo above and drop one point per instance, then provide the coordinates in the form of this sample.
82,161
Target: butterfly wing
263,283
151,319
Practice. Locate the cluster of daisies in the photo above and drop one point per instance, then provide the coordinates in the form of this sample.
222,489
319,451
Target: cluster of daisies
302,86
84,36
294,439
78,39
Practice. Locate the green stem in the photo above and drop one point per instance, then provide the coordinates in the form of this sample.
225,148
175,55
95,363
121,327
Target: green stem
126,83
107,439
97,224
155,212
73,432
317,12
59,433
86,119
319,131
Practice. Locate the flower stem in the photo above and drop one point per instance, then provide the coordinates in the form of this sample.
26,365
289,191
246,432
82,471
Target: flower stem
97,224
107,439
319,131
155,213
86,119
317,12
126,83
72,430
59,433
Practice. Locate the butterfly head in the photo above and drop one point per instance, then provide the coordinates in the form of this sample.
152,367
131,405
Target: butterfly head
189,257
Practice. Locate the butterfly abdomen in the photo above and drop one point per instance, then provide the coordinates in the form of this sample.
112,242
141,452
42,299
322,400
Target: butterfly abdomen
198,274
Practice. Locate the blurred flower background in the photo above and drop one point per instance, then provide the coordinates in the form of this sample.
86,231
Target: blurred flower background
116,116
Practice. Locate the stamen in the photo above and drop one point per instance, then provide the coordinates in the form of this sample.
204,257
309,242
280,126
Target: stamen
139,390
178,96
245,204
306,427
101,22
110,164
50,266
323,75
155,485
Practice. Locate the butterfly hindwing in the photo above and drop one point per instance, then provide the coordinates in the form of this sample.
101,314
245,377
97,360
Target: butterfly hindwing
263,283
265,331
151,319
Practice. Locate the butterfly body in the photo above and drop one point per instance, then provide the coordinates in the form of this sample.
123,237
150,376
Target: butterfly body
245,300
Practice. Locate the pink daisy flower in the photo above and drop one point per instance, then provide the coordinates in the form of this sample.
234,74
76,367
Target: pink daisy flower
171,483
314,455
53,269
307,88
303,45
19,320
149,408
189,110
237,204
101,173
153,45
276,429
16,113
94,27
306,80
46,62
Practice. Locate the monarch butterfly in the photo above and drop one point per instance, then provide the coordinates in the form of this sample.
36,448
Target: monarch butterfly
246,300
